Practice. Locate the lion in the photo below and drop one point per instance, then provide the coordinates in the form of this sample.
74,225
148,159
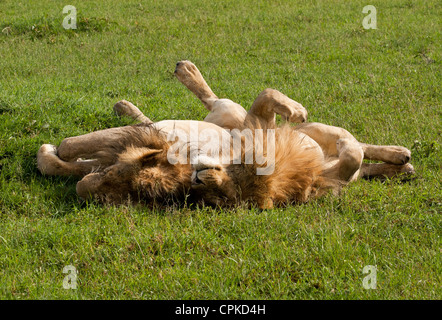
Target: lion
133,162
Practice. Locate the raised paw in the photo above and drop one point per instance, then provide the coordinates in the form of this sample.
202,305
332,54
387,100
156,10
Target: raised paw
125,108
295,112
187,71
191,77
272,101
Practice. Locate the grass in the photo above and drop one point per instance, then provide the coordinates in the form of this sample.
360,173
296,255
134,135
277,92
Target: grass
382,85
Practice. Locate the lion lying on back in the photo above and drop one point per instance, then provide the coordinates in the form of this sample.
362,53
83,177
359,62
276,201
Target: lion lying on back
134,162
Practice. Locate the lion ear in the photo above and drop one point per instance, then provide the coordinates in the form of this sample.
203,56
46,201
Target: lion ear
148,155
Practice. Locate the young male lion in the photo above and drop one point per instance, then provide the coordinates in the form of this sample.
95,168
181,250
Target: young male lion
134,161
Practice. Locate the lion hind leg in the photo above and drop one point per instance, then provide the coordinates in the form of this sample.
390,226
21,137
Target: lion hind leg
227,114
91,145
351,156
347,164
326,136
48,163
389,154
385,170
126,108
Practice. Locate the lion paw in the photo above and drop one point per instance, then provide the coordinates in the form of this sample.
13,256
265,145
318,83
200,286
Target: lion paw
408,169
48,149
296,113
186,70
289,109
397,155
189,75
47,159
126,108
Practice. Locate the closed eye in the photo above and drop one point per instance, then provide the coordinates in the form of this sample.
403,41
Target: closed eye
210,168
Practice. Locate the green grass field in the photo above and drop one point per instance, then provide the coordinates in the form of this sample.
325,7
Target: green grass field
383,85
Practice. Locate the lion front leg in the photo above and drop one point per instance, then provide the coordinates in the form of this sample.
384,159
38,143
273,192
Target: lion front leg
126,108
83,154
230,115
271,102
103,145
48,163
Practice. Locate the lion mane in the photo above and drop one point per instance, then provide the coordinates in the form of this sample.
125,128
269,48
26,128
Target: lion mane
297,176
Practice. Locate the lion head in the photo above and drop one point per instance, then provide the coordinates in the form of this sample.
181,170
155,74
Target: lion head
141,174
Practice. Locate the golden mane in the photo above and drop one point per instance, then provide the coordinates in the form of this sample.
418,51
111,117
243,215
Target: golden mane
297,175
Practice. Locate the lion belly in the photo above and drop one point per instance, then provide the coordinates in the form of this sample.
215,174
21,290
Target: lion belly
310,144
202,137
